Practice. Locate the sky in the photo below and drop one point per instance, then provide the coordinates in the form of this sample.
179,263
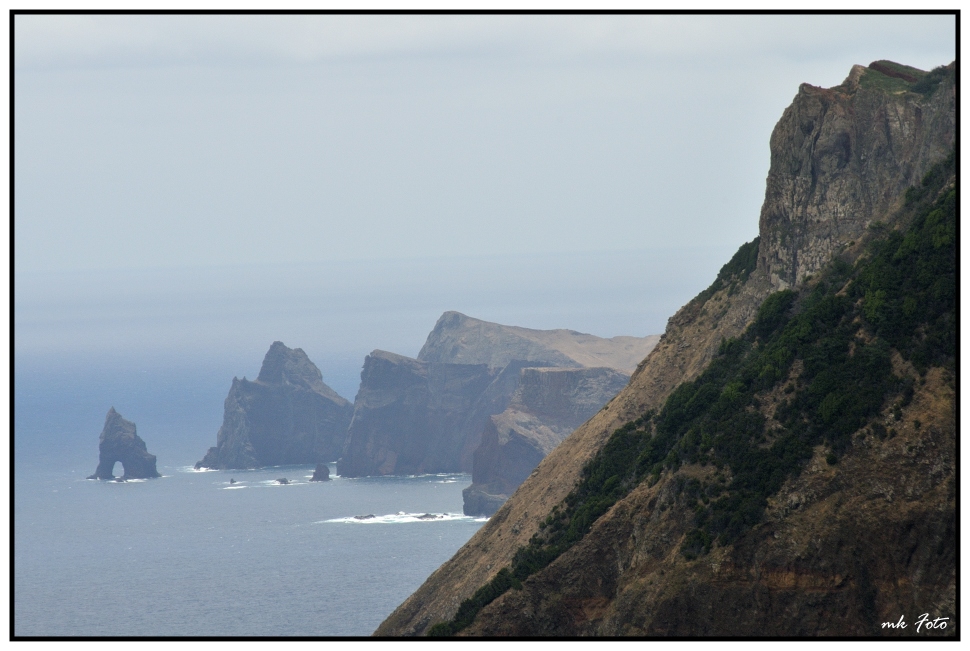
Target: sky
190,188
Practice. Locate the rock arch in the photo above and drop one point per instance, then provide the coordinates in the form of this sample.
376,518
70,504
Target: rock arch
120,443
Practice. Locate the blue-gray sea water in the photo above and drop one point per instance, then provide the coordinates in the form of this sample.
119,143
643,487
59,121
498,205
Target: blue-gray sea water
190,554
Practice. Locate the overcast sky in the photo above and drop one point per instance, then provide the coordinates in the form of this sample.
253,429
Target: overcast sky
146,141
209,184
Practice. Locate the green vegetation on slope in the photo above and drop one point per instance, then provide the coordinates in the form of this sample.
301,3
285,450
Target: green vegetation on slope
895,78
825,348
735,272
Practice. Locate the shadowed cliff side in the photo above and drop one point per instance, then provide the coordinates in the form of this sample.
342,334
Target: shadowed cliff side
823,193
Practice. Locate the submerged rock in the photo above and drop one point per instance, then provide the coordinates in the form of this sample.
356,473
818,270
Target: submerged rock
282,480
120,442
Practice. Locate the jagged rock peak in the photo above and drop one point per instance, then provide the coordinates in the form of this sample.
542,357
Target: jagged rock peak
286,416
119,441
283,366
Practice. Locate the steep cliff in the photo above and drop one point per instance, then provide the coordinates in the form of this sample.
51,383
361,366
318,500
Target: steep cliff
119,442
547,406
841,157
816,551
411,416
428,414
286,416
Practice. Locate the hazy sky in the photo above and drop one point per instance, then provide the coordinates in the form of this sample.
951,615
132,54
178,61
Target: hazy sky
147,141
213,183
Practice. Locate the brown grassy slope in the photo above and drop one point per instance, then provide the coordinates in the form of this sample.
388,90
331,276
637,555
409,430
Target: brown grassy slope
691,339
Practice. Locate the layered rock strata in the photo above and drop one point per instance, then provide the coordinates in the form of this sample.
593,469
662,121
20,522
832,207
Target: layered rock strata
120,443
286,416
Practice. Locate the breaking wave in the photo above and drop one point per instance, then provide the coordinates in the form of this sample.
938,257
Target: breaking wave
402,517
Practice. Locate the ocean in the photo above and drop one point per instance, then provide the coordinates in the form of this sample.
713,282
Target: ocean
190,554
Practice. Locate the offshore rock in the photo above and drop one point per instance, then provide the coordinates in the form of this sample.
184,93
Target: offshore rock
286,416
120,442
321,473
547,406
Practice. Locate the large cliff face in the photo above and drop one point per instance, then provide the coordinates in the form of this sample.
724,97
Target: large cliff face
119,442
841,158
838,547
286,416
411,416
428,414
547,406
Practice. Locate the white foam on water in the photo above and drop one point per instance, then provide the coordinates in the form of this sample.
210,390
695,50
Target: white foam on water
403,518
194,469
233,487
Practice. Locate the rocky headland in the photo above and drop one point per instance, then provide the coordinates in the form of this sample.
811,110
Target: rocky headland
428,414
119,442
828,504
286,416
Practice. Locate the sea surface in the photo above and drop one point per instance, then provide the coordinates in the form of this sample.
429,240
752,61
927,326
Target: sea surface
191,554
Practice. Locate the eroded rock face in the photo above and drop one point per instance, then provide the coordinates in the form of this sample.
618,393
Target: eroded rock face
547,406
840,158
120,442
286,416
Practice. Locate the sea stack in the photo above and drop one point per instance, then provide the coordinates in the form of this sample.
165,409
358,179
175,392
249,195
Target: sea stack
120,442
321,473
286,416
